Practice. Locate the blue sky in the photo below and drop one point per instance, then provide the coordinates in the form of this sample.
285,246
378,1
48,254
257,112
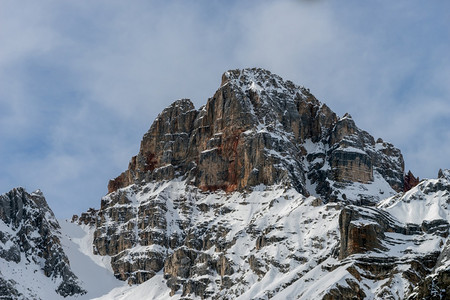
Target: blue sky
82,81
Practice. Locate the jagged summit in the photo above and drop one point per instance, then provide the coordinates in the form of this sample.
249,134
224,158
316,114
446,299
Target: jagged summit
263,81
260,129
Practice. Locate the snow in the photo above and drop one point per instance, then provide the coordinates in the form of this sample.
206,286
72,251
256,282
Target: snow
283,214
155,288
77,244
372,191
306,235
425,202
351,149
30,279
209,150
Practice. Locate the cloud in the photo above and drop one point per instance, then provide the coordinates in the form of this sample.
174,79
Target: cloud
82,81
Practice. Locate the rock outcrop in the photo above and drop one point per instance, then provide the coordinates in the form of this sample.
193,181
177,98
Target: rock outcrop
377,247
410,181
29,231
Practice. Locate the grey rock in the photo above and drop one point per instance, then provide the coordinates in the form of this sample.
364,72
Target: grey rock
37,237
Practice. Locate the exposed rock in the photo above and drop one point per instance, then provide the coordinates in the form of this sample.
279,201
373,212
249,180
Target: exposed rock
438,227
410,181
381,248
445,174
437,284
33,234
361,230
366,233
86,218
137,267
350,291
8,290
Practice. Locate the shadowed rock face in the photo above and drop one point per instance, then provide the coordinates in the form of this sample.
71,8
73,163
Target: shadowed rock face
253,131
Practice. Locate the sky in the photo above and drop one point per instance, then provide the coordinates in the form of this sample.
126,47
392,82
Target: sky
82,81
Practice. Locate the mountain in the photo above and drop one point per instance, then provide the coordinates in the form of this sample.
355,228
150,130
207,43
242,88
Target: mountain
32,262
262,193
260,129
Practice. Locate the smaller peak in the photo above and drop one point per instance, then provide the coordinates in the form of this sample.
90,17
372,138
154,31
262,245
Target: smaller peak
247,76
347,116
183,103
19,190
410,181
180,105
347,119
259,80
444,174
37,192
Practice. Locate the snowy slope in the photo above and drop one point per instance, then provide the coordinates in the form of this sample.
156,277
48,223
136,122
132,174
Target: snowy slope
281,244
93,271
273,236
276,243
427,201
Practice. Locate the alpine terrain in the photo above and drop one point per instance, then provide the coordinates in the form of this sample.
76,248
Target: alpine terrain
262,193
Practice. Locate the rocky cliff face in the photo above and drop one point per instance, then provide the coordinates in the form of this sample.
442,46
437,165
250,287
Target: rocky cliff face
213,245
29,243
260,129
178,207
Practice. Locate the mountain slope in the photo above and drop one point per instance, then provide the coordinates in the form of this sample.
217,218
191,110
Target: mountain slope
275,243
228,243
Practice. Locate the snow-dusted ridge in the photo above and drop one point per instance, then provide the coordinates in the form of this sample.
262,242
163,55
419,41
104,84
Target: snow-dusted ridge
428,201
